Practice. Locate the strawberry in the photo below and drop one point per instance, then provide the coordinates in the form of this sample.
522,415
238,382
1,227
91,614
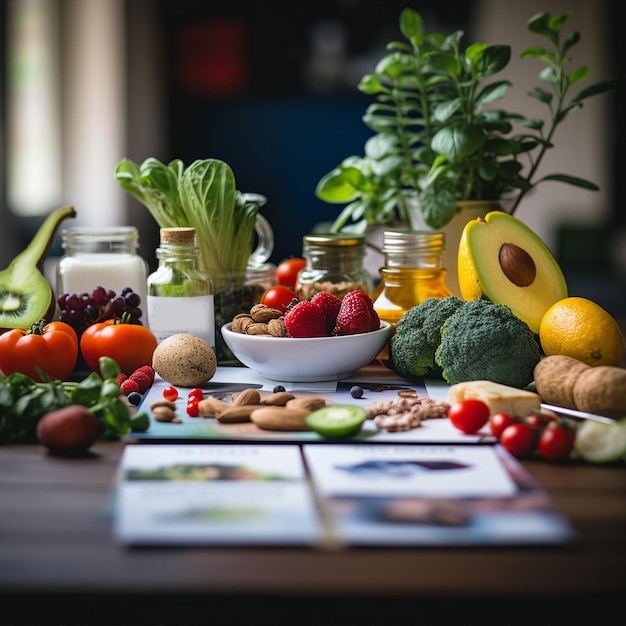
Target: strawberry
329,303
356,314
306,319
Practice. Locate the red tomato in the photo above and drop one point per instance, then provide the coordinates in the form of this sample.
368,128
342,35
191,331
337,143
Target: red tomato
278,297
51,348
519,439
195,393
536,420
556,442
130,345
192,407
469,416
499,421
170,394
287,272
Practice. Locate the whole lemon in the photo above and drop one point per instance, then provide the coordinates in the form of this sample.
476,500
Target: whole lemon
581,329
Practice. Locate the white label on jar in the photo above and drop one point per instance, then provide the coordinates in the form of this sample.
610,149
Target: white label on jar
170,316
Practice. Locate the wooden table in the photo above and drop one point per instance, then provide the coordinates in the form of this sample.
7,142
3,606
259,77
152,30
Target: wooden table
59,563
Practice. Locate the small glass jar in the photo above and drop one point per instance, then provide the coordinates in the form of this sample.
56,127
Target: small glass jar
334,263
413,272
101,256
180,295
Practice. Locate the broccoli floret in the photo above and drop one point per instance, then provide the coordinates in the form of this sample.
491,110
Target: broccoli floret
486,341
418,333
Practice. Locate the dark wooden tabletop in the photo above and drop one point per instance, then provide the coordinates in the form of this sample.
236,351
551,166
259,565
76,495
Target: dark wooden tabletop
59,563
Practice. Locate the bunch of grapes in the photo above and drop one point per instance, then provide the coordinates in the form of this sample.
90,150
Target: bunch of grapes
80,310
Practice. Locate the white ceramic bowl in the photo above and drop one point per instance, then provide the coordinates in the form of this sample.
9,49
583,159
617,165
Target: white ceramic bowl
291,359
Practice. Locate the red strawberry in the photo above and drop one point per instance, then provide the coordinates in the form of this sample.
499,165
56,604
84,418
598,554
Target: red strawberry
356,315
306,319
329,303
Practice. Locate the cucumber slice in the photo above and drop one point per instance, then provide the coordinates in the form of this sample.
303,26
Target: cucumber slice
339,420
601,443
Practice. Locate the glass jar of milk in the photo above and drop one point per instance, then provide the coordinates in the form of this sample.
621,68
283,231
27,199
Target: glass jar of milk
101,257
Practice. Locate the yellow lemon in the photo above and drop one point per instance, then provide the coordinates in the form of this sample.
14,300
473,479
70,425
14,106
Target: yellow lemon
581,329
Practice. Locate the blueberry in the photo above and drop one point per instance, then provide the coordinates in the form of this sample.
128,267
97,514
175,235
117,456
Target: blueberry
356,391
134,397
278,389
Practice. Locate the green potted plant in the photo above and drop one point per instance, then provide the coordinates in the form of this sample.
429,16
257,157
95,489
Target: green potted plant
436,142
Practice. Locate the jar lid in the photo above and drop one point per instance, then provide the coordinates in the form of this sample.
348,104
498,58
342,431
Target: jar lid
334,239
395,241
180,235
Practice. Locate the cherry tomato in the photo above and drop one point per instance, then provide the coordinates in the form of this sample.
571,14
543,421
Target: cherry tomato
170,394
278,297
287,272
192,407
499,421
130,345
536,420
556,442
51,348
469,416
519,439
195,393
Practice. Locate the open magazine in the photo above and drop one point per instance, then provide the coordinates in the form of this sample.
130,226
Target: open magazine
331,495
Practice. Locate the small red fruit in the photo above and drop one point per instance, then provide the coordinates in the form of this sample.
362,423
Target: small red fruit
499,421
330,305
129,386
469,416
519,439
170,394
306,319
356,314
556,442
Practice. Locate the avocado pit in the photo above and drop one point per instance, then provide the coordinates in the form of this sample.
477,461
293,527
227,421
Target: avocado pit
517,265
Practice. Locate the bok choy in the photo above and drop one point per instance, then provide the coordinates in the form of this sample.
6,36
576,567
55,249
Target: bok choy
202,196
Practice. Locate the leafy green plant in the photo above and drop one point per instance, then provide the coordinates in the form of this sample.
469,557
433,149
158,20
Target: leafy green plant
202,196
435,140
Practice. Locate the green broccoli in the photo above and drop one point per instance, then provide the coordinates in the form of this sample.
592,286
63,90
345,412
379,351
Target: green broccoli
412,347
486,341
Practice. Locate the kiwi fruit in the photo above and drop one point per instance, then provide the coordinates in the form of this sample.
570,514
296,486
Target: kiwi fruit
26,297
337,421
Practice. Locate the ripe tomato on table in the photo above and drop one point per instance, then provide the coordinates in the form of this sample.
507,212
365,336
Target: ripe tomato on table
556,441
130,345
286,273
519,439
51,348
469,416
278,297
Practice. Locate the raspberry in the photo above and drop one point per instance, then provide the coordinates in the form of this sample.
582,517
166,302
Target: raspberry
121,378
306,319
142,379
330,305
148,370
128,386
356,315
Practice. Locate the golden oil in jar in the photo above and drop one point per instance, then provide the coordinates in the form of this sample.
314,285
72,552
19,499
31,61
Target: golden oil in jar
413,272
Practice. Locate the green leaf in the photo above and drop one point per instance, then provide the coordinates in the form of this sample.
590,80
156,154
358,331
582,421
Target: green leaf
579,74
540,94
493,92
457,142
572,180
412,26
335,187
595,89
493,60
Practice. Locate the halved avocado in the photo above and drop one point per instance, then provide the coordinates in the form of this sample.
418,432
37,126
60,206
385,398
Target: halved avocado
504,261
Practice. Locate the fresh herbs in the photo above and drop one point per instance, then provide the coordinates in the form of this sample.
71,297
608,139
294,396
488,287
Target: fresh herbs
23,402
435,141
202,196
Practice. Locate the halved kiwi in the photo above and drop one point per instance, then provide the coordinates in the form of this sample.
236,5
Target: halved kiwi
25,295
338,420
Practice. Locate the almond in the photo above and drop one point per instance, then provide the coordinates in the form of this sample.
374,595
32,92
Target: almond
210,406
263,313
237,414
306,403
247,396
279,398
280,418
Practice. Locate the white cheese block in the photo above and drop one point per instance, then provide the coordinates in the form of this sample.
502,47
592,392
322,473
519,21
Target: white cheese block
499,398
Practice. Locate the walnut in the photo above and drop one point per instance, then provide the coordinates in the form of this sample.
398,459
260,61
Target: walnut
404,413
263,313
277,327
241,322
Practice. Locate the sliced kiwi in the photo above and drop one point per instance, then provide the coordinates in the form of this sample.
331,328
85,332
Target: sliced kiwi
25,295
339,420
